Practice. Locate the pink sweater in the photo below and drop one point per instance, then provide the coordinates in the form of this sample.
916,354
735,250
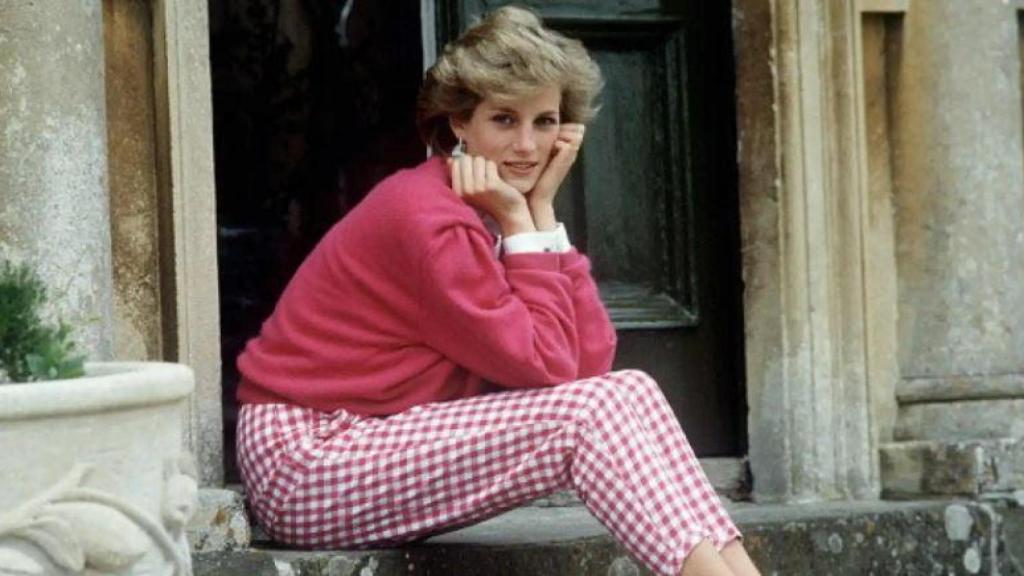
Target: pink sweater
403,302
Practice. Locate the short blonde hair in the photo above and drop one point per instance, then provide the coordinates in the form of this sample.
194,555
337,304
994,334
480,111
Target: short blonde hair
507,55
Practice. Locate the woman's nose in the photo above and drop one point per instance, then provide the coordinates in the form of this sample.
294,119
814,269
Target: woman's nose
526,140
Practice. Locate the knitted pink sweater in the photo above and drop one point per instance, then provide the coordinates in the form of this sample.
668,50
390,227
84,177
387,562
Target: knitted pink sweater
403,302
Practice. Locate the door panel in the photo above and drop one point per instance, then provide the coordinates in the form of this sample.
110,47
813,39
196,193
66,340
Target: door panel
636,196
643,204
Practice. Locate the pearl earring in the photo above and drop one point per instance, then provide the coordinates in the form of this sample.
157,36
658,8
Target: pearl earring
459,149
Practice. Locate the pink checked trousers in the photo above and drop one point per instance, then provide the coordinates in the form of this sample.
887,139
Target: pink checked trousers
340,480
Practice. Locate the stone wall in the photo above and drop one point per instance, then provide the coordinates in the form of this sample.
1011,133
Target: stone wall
54,211
881,195
134,208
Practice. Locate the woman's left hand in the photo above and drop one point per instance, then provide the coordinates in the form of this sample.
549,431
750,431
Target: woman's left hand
567,146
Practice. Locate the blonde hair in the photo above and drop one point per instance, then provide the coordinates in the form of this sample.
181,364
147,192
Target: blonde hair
507,55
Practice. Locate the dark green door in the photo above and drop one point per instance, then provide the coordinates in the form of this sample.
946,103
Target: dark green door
652,199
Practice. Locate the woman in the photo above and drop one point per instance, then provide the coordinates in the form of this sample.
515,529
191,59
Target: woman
420,373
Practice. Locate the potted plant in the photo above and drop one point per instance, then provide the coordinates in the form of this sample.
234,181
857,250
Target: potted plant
93,475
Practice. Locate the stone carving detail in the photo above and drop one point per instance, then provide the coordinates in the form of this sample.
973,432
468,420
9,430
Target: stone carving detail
75,529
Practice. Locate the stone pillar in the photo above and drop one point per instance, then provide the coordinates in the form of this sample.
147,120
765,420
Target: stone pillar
53,161
812,431
960,251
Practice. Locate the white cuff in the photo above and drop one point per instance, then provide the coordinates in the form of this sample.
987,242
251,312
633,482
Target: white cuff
556,240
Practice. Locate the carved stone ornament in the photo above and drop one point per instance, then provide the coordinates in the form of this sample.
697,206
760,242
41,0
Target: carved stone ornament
73,529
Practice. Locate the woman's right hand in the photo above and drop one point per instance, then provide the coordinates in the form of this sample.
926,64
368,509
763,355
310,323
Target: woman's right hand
475,179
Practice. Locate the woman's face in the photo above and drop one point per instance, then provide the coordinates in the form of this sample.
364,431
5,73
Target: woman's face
518,135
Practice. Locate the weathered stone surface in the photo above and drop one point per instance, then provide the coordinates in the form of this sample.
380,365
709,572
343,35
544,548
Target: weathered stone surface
951,421
970,467
759,174
134,206
582,557
960,388
189,241
857,538
234,563
880,539
960,191
53,159
1013,540
220,523
812,430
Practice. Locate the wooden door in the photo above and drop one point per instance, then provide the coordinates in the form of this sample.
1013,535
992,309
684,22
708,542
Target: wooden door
652,199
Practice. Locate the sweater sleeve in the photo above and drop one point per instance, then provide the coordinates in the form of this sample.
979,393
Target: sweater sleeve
511,322
594,330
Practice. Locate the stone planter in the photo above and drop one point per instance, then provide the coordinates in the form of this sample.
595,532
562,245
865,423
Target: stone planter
94,478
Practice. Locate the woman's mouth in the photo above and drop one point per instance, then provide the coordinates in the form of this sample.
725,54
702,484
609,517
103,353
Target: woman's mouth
520,168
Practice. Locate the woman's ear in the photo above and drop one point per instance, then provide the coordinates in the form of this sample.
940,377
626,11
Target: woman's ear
457,126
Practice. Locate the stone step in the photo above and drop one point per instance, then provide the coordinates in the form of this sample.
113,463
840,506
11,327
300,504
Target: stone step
951,468
855,538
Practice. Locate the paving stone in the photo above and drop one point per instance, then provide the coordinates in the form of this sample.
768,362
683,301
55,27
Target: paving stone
234,563
220,523
881,539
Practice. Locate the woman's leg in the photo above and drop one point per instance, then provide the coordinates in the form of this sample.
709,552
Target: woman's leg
705,561
739,562
654,411
351,481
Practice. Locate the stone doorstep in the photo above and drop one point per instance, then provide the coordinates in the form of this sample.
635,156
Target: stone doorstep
966,468
220,523
855,538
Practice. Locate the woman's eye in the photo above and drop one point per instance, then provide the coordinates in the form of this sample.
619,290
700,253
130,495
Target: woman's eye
503,119
547,121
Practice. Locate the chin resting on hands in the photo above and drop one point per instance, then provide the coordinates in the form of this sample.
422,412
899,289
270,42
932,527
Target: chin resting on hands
475,179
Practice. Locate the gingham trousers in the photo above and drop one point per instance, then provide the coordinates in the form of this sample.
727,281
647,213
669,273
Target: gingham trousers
341,480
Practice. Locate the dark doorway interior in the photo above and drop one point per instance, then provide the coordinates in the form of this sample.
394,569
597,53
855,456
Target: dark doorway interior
314,103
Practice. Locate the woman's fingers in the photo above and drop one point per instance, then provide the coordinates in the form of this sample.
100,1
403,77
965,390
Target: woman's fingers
467,174
571,133
456,167
476,175
566,149
492,174
573,138
480,173
494,181
565,153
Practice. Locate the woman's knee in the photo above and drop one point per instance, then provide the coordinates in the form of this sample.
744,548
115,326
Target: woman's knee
620,392
634,375
636,382
599,394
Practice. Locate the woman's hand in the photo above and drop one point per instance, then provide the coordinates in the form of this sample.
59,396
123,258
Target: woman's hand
475,179
542,197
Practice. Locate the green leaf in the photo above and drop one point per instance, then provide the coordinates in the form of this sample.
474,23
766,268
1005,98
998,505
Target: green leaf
30,349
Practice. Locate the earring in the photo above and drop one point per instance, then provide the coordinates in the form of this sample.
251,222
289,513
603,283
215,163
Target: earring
459,149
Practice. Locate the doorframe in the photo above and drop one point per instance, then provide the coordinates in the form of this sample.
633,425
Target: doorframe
188,221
